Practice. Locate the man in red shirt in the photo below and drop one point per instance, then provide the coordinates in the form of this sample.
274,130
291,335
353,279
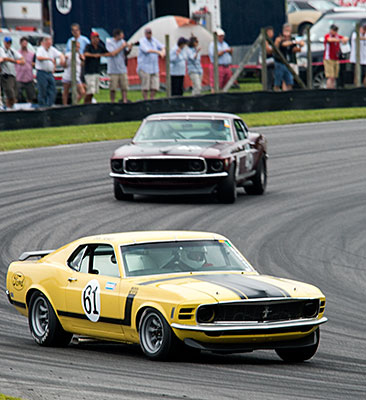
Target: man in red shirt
332,44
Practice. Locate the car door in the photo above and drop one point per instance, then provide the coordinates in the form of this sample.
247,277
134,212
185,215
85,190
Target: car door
92,296
244,155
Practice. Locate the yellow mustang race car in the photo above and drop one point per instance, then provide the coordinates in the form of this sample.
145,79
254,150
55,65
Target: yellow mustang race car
165,290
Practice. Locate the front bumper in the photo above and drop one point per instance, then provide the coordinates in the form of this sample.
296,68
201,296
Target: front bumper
169,184
250,329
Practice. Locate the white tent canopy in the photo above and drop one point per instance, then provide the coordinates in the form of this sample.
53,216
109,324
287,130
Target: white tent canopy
175,27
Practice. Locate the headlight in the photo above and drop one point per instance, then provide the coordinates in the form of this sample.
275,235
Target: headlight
117,165
302,62
217,165
133,165
196,165
206,314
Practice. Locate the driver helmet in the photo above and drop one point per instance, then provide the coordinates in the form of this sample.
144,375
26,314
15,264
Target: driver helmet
194,257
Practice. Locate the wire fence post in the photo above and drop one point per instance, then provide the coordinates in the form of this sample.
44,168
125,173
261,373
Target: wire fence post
309,70
264,74
73,73
216,64
167,67
358,57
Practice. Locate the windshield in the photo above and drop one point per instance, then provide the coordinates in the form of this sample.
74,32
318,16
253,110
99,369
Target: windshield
183,256
175,130
321,28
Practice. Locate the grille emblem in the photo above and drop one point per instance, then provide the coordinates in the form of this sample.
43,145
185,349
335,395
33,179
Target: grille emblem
266,312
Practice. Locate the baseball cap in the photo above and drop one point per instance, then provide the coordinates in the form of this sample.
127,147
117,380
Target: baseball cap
8,39
94,34
220,32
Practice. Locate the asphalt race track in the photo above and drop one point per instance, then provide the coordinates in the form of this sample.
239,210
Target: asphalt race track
309,226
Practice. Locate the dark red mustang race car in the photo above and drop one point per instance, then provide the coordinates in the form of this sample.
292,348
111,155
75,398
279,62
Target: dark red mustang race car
191,153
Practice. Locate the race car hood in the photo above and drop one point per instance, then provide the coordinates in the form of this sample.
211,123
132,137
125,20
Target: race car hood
169,148
231,286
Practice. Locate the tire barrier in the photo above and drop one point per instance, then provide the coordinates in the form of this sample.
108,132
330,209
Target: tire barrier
225,102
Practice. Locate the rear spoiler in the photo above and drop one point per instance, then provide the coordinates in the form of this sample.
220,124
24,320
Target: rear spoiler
30,254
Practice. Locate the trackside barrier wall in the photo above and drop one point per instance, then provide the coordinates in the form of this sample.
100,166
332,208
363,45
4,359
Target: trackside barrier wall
223,102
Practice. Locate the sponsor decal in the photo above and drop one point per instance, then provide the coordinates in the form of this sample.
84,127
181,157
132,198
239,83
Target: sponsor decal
110,285
64,6
18,281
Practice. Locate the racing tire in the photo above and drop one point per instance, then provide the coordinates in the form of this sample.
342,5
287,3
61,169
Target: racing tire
226,190
299,354
157,340
44,324
259,180
118,192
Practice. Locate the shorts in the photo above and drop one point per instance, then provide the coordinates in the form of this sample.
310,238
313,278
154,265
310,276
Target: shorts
331,68
29,89
149,81
92,83
282,74
118,81
9,85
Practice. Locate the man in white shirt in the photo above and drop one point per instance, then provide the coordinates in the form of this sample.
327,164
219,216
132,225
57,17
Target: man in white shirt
148,64
117,68
8,74
362,52
46,60
224,52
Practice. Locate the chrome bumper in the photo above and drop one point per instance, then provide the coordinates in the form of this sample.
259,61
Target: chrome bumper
168,176
253,328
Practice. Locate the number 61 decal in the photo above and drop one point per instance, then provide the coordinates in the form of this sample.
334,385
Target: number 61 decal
90,299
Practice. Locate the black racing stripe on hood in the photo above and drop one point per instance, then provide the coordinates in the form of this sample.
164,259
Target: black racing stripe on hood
243,286
251,288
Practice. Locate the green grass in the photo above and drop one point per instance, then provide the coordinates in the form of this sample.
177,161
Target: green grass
30,138
250,85
5,397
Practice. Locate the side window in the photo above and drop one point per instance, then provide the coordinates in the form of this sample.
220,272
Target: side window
95,259
240,129
79,259
104,261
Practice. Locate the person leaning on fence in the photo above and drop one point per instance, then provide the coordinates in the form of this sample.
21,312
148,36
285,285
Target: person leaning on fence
332,54
117,68
288,47
362,53
24,73
76,35
10,58
148,64
224,53
93,52
67,77
178,61
194,66
269,58
46,60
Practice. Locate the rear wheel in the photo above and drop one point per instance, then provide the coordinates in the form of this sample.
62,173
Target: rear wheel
319,80
300,354
118,192
226,190
259,180
156,337
44,324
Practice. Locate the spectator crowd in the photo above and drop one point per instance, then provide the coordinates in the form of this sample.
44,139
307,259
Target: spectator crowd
17,67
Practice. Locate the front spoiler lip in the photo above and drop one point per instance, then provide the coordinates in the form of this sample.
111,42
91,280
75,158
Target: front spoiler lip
168,176
246,328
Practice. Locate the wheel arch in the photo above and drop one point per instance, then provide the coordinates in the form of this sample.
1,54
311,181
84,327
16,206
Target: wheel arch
144,307
36,289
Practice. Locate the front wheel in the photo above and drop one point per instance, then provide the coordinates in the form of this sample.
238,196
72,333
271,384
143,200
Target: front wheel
43,323
259,180
226,190
156,337
300,354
